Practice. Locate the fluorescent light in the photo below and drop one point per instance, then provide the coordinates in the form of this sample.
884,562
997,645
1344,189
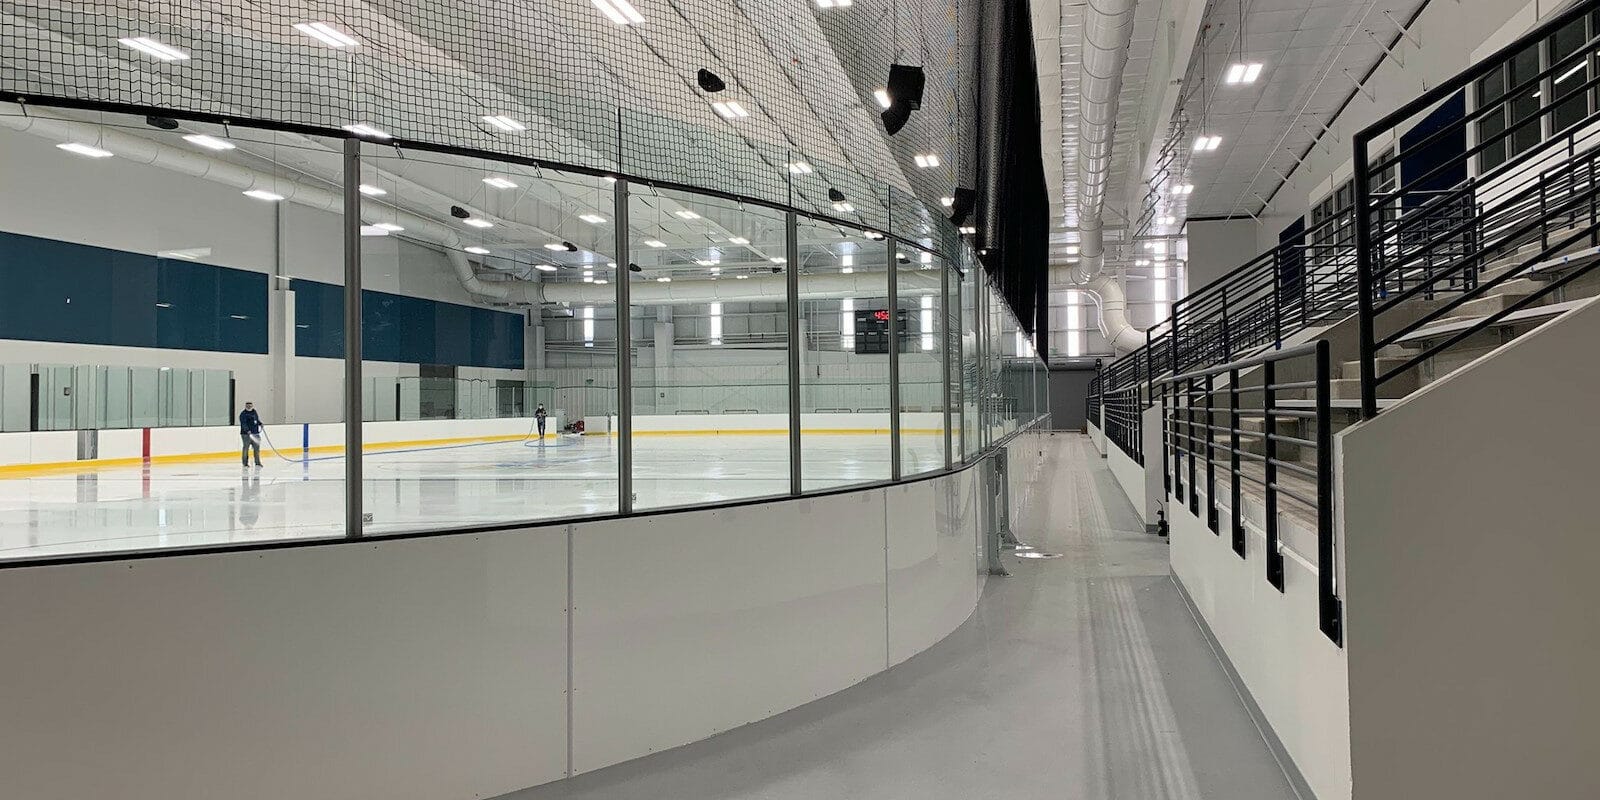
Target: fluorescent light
619,11
654,243
729,109
800,168
706,262
968,229
1166,220
601,281
925,258
388,226
151,47
1072,249
556,246
612,264
927,161
476,250
505,123
84,150
873,235
374,230
663,279
1183,188
844,207
741,277
163,305
500,183
363,129
835,3
478,223
1207,143
847,260
738,240
588,273
262,194
1243,73
592,219
371,191
686,214
545,267
187,254
947,201
208,142
1576,68
778,260
327,34
882,96
588,279
238,316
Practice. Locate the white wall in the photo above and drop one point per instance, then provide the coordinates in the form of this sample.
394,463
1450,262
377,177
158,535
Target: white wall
1469,551
446,667
1294,674
1218,246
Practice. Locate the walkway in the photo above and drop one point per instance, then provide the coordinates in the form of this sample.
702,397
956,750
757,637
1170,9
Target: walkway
1078,677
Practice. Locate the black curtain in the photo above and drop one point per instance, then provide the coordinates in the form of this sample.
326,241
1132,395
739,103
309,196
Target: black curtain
1013,208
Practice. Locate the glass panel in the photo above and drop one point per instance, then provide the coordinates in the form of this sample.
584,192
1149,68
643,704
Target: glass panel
144,397
844,366
921,311
16,396
710,357
472,272
1525,118
1490,89
1566,80
970,348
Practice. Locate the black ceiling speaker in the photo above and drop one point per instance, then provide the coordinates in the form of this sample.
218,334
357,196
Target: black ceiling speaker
571,248
164,123
776,270
965,201
709,81
835,195
459,213
635,268
905,86
895,117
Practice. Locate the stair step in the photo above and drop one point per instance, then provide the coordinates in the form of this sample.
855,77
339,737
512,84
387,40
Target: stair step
1486,305
1397,387
1526,316
1383,363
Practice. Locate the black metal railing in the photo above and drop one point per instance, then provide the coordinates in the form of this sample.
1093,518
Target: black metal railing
1124,424
1268,429
1475,234
1091,408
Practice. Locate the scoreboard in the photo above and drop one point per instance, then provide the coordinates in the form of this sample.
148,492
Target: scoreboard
872,331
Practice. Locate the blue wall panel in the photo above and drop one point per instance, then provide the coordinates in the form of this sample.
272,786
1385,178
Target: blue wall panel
406,330
55,291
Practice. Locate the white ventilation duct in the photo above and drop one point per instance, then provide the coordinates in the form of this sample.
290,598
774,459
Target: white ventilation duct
1107,31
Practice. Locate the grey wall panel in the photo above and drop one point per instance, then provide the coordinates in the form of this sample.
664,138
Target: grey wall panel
1069,388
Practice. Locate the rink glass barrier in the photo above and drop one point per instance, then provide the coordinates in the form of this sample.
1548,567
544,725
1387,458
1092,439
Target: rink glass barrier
689,347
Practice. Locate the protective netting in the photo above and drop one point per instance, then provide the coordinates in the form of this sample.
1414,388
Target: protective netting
584,90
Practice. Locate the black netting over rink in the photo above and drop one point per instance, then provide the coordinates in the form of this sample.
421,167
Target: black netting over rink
558,81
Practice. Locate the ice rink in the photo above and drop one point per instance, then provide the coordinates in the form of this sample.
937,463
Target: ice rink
163,505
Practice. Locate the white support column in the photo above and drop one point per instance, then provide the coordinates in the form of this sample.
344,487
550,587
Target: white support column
280,404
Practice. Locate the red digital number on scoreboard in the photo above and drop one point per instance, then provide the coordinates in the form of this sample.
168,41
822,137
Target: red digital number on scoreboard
881,316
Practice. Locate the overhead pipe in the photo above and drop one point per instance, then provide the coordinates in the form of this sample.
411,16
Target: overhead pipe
1107,32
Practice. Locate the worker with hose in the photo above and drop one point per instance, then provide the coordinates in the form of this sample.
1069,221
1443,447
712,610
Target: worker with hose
541,415
249,434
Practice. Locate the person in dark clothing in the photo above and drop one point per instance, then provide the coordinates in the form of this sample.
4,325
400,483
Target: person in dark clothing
540,414
249,433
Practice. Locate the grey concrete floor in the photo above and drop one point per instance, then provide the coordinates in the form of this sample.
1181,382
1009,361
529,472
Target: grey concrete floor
1079,677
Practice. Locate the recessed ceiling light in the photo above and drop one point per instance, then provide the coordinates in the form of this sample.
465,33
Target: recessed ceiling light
738,240
1243,73
477,251
928,161
505,123
327,34
1207,143
371,191
151,47
882,96
363,129
619,11
947,201
730,109
208,142
1183,188
545,267
592,219
663,279
800,168
686,214
84,150
478,223
262,194
500,183
389,226
654,243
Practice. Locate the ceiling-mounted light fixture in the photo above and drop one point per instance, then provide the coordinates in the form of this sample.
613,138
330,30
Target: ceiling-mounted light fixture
619,11
154,49
905,96
882,96
327,34
592,219
654,243
926,160
478,223
505,123
835,3
164,123
1243,73
685,214
800,168
388,226
729,109
262,194
1207,143
947,201
961,207
369,131
738,240
710,82
500,183
1183,189
545,267
208,142
84,150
